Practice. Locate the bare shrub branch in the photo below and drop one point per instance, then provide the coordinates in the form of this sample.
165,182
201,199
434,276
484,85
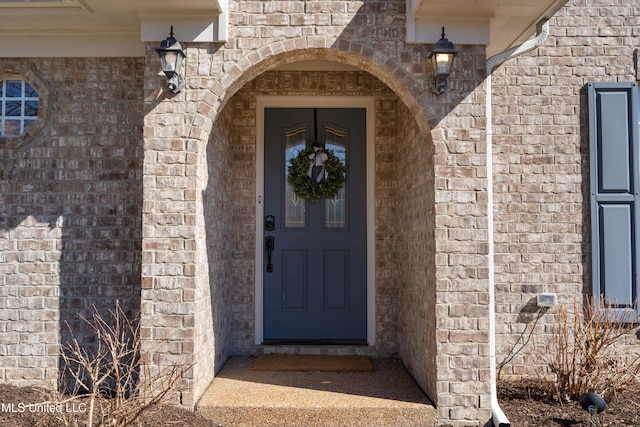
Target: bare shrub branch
112,375
585,351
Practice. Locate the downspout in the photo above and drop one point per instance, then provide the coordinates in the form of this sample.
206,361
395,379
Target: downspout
498,418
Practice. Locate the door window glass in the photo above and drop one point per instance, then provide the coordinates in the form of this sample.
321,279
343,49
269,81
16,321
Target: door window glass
335,208
295,206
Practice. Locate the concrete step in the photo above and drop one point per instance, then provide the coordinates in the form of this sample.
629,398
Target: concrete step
386,397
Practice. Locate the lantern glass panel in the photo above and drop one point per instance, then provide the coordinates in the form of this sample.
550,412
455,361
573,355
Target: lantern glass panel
170,60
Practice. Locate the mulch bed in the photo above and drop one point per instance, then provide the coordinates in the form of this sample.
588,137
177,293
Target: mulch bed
43,416
527,403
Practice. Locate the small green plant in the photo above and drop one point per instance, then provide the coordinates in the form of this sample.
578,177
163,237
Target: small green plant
586,352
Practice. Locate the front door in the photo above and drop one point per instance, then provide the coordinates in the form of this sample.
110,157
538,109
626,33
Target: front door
315,262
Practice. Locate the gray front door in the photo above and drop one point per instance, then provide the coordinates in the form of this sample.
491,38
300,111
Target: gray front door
315,288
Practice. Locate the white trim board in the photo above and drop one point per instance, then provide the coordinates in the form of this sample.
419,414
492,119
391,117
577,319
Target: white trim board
367,102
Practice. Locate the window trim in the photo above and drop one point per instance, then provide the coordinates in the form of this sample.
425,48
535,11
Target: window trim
25,71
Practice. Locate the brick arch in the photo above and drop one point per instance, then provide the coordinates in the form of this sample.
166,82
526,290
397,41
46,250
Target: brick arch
409,89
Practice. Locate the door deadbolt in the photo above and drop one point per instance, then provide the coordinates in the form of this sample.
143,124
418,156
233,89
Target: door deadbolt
269,223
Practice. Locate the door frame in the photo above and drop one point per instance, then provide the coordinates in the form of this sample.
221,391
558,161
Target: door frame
294,101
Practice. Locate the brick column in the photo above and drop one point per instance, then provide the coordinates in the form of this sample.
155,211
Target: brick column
170,250
461,253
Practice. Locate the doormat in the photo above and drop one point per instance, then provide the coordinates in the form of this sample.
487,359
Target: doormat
305,363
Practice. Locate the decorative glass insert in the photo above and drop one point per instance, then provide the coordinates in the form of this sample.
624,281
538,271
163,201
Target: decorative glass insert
295,206
18,106
335,209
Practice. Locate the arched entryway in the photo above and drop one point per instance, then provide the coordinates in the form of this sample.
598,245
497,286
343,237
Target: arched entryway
200,219
401,274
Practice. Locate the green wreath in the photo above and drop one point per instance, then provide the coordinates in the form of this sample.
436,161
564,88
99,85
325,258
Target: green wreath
326,185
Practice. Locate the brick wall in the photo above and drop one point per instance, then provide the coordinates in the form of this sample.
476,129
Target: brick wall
541,158
73,221
369,36
70,200
461,250
414,173
195,289
214,293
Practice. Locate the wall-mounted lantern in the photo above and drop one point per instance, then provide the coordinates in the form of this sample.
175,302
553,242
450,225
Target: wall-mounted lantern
171,57
441,58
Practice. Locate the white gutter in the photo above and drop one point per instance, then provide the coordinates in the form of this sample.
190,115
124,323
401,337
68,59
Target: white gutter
498,417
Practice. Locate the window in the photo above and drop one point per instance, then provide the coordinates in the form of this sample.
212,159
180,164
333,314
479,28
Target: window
614,151
18,106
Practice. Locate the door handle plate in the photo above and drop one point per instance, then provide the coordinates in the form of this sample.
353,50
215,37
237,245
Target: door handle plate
269,246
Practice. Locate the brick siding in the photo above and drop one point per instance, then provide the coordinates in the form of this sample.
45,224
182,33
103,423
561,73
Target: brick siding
122,181
541,157
70,202
368,36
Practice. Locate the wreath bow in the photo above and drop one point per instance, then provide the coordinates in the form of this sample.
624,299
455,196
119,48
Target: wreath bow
316,165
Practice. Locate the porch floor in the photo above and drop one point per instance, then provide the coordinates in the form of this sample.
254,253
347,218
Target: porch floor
386,397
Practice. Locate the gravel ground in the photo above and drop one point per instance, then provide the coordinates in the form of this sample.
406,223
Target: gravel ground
386,397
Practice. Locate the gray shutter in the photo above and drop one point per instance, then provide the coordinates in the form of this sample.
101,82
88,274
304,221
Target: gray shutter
615,183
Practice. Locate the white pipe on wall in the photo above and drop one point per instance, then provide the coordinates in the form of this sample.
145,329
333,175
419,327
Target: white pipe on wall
498,417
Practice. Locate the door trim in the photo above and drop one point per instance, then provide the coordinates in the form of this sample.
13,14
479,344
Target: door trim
293,101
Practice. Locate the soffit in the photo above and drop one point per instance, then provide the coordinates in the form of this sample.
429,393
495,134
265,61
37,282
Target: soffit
68,25
54,16
500,24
